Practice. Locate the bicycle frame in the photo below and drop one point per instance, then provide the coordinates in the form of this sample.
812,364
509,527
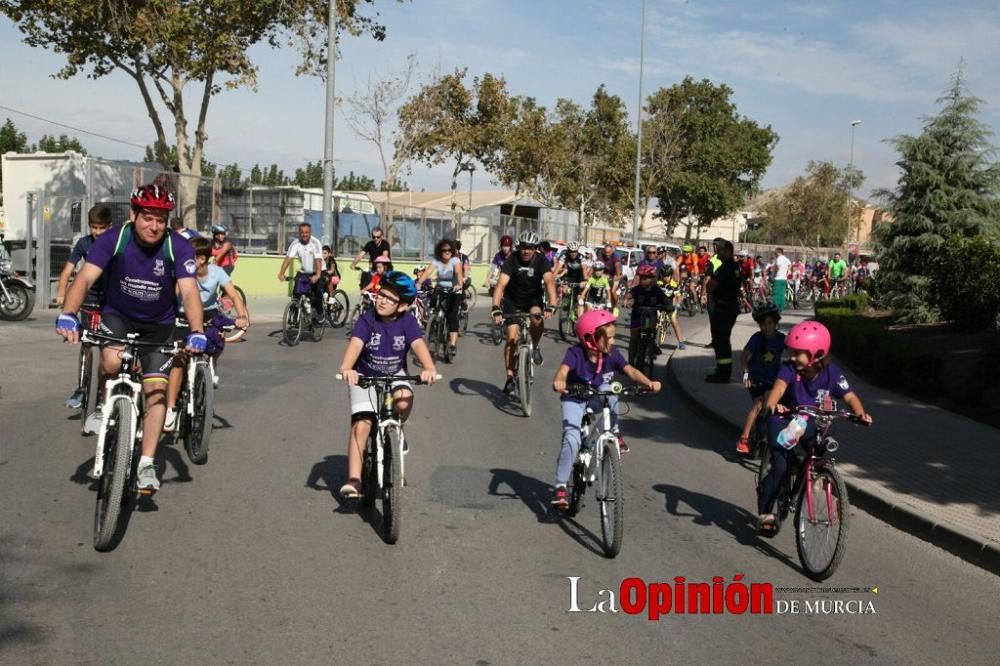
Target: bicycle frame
817,458
386,419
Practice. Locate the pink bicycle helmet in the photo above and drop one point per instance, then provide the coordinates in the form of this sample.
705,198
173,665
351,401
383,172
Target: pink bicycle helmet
812,337
588,324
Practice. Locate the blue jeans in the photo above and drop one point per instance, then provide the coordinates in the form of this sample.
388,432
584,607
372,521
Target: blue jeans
572,416
768,490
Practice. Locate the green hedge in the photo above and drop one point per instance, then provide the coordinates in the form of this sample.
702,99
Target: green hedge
868,347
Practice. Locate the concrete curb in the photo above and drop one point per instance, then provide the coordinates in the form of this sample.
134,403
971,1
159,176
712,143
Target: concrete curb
969,547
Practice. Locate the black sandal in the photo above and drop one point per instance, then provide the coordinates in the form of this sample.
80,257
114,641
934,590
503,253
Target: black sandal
767,525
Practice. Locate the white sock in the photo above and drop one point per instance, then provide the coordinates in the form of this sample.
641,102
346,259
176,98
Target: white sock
145,460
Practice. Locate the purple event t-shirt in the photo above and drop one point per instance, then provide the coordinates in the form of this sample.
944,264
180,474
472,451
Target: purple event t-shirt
386,343
139,285
582,371
802,391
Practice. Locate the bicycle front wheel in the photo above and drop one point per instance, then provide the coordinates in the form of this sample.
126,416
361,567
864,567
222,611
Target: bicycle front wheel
434,337
369,474
392,481
318,328
821,538
291,327
199,429
337,312
119,438
524,378
610,500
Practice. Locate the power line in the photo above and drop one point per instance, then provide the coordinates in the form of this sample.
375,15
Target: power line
134,145
70,127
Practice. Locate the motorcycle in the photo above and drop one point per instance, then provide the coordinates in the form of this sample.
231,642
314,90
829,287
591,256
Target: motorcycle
17,295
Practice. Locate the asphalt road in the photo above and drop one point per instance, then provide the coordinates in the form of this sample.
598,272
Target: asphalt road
253,559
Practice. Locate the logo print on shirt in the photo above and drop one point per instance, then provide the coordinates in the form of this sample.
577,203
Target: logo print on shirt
375,341
158,269
190,266
842,383
398,342
529,270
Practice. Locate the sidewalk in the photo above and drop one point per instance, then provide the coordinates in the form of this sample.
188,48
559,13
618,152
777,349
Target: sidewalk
922,469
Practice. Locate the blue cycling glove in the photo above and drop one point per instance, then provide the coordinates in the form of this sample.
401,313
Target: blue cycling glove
196,341
67,322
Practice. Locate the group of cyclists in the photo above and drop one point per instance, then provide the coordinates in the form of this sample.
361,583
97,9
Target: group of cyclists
141,278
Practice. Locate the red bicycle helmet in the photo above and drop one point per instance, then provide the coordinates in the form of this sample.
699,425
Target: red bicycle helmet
811,337
153,196
588,324
506,240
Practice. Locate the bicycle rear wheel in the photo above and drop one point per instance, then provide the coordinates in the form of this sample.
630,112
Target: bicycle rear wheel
291,327
565,323
112,487
392,481
610,499
337,312
524,378
90,381
199,429
822,540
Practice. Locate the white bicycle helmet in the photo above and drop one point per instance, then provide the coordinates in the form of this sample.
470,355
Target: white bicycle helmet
572,246
598,266
528,238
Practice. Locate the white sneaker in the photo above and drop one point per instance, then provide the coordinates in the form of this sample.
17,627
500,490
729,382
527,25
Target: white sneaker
92,425
215,381
170,422
147,477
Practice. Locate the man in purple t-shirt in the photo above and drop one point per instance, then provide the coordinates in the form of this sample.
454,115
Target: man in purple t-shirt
145,266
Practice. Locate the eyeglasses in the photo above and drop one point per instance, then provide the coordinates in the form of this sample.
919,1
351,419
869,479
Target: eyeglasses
386,297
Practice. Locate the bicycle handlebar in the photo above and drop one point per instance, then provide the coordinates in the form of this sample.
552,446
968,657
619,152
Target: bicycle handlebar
373,380
826,414
93,337
586,390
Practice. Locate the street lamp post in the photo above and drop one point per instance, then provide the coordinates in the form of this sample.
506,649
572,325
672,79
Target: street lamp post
638,127
331,102
850,183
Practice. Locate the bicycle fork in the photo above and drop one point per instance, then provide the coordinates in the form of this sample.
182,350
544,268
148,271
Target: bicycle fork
828,494
132,399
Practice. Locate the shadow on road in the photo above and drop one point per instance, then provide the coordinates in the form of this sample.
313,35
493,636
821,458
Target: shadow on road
465,387
711,511
533,492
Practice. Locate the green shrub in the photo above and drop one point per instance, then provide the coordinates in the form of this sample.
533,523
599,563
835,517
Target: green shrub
852,303
966,282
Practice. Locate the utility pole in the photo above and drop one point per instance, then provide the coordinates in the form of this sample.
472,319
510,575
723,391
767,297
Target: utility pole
331,102
850,183
638,128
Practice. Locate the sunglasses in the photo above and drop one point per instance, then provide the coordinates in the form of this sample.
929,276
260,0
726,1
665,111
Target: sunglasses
377,237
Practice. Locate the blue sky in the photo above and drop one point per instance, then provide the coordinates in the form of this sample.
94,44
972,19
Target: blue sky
805,68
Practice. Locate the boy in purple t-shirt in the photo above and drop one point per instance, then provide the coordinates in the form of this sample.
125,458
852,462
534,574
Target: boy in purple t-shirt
809,378
380,341
594,361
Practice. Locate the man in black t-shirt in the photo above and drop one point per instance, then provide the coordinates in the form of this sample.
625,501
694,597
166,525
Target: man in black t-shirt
375,248
723,307
525,278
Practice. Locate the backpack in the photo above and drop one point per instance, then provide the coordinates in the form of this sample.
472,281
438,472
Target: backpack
125,237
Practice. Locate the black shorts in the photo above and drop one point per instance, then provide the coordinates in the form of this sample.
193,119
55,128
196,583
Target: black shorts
155,364
758,391
509,307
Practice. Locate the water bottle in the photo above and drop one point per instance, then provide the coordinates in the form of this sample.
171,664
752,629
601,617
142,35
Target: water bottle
789,437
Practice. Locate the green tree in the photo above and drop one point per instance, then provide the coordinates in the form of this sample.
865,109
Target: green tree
446,121
62,144
12,140
353,183
310,176
167,45
950,186
534,156
812,210
717,156
395,186
231,177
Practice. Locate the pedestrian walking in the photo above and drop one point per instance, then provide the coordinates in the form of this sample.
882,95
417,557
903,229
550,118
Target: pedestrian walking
781,267
723,308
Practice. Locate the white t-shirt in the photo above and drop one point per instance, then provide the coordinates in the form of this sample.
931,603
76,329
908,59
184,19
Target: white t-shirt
781,266
307,253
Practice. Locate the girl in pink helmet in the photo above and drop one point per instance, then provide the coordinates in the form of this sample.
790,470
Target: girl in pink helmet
808,378
594,360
